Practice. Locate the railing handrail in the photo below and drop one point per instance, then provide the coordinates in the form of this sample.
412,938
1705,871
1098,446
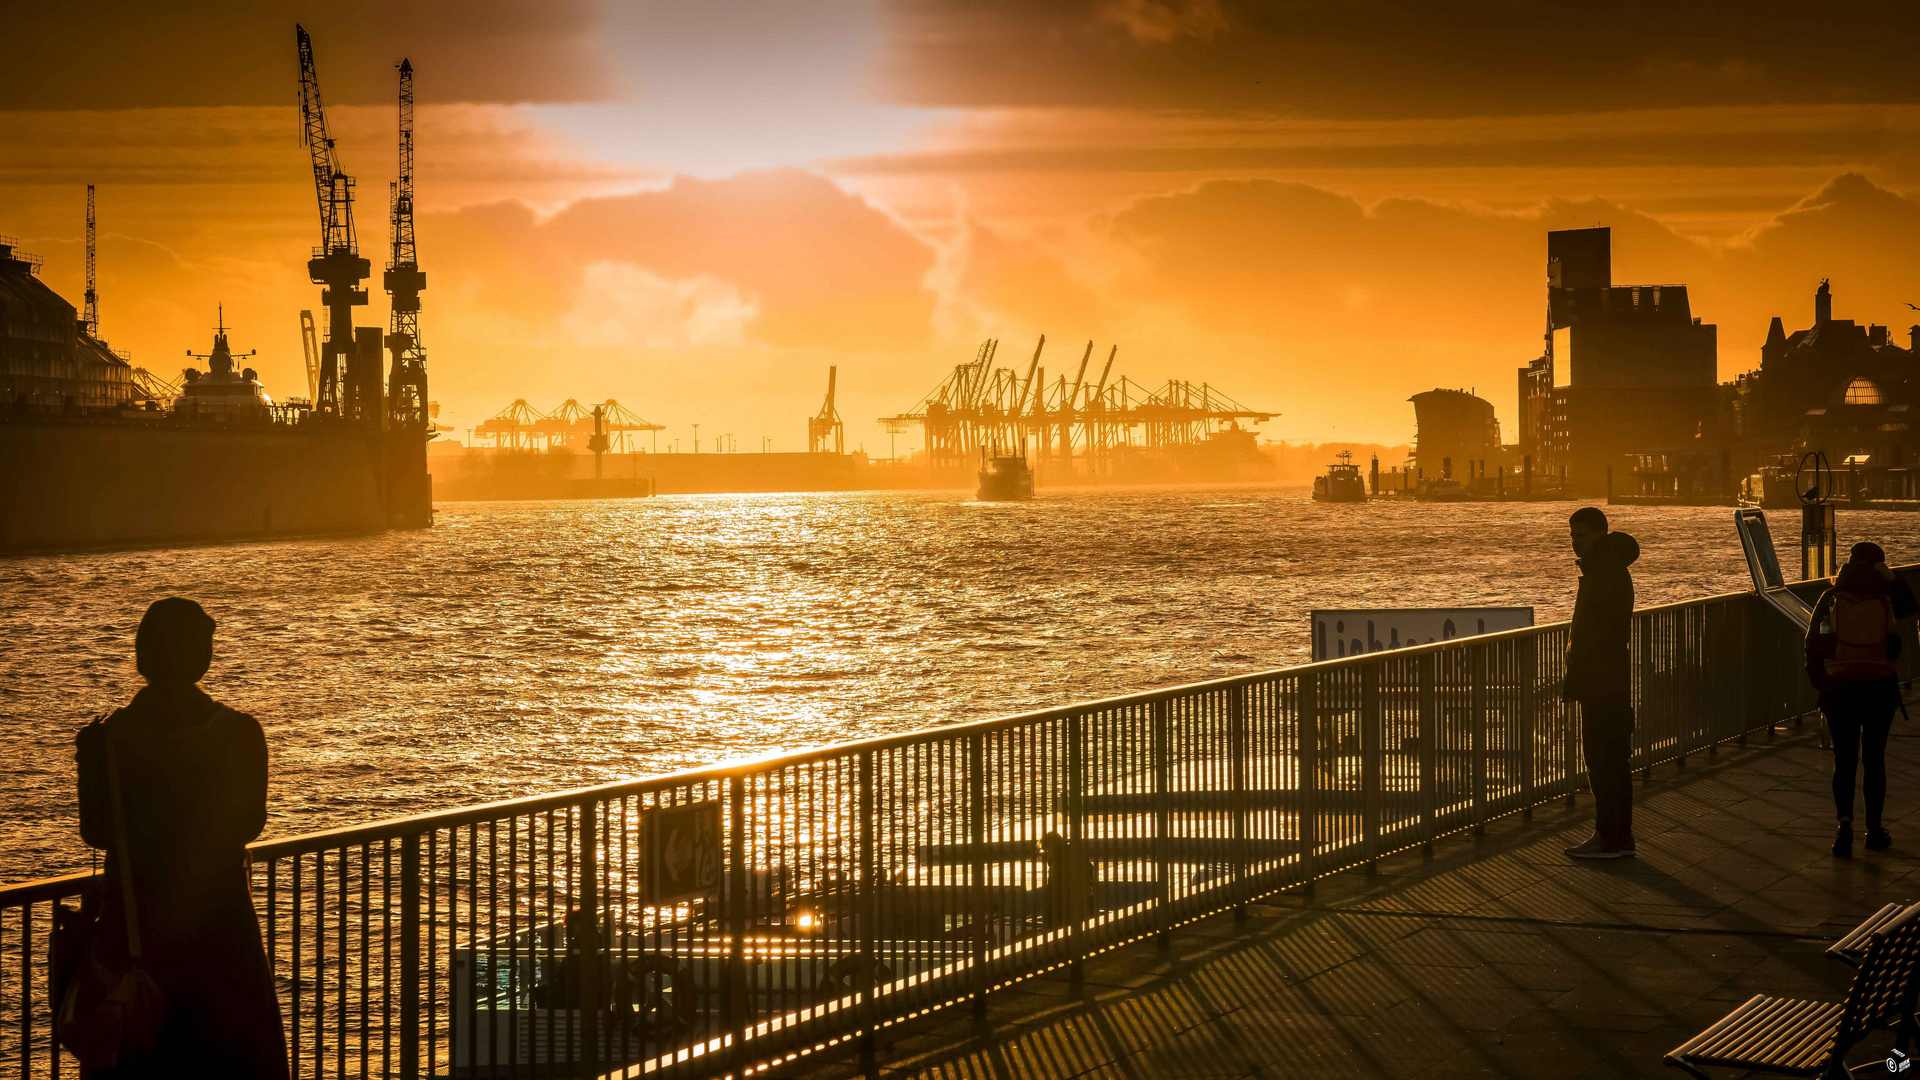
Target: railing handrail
415,824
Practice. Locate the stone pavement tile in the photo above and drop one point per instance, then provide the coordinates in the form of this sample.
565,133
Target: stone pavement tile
1540,978
1406,1038
1359,988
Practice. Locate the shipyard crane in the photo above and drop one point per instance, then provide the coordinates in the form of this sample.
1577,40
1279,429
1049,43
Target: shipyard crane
827,424
92,316
407,376
336,263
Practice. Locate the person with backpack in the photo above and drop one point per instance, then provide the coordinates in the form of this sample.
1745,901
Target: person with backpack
173,786
1852,645
1600,678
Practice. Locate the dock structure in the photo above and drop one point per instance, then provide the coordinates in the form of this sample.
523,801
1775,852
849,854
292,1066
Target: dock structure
787,910
1081,425
569,425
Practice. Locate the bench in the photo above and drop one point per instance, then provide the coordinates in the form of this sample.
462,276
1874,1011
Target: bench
1812,1038
1851,950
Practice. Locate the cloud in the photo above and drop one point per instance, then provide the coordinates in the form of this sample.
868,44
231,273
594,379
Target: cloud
1156,22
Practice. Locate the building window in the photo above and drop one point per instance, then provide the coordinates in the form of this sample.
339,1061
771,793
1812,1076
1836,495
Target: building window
1862,392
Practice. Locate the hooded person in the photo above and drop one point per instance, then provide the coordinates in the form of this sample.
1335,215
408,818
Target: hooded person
1600,678
1851,649
193,779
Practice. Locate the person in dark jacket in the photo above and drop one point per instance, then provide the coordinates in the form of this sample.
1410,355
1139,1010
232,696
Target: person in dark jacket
193,777
1851,648
1600,678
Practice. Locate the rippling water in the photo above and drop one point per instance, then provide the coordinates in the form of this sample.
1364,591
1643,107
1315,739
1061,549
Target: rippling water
523,647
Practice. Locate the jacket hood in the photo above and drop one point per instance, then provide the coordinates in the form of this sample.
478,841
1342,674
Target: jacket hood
1615,549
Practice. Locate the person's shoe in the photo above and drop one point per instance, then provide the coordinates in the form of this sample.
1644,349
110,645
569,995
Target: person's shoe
1878,839
1843,841
1596,848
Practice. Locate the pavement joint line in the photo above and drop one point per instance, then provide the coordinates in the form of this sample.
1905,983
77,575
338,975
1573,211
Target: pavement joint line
1634,928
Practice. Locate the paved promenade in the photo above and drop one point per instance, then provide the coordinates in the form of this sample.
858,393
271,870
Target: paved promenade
1495,957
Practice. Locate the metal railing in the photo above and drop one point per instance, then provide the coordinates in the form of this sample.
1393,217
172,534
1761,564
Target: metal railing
720,919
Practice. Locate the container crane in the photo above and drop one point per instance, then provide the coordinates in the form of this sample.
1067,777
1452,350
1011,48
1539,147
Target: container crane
336,263
827,424
407,374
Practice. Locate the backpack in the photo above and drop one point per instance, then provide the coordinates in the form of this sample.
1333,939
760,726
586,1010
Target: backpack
1862,625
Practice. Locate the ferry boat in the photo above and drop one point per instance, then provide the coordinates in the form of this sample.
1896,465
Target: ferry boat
1342,483
1004,478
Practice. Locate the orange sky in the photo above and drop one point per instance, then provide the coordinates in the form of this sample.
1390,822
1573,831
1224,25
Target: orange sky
697,208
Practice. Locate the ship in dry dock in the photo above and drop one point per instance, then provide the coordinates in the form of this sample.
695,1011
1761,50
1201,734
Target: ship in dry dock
97,452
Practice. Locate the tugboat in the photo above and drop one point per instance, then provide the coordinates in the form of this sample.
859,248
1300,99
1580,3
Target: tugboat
219,393
1004,478
1343,482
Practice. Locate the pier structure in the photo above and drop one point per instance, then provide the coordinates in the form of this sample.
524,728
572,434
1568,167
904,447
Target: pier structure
732,918
1079,425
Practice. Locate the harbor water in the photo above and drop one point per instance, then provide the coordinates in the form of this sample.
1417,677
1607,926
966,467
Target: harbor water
517,648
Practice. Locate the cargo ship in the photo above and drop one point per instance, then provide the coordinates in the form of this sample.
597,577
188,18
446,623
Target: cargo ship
97,453
1004,478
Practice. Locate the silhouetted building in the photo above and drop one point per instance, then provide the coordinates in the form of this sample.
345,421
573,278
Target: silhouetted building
1453,426
47,358
1627,367
1836,386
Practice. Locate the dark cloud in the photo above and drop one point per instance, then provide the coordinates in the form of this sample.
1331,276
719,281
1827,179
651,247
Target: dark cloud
1404,58
230,52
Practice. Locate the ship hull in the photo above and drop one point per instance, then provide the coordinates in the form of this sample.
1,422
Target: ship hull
70,483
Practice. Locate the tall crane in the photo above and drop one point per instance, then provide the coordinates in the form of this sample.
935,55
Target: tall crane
827,424
336,263
407,375
92,315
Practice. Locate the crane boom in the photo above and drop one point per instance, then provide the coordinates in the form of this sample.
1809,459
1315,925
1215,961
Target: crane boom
92,315
407,374
310,346
345,390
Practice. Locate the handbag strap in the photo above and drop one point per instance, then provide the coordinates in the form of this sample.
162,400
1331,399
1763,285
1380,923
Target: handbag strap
123,865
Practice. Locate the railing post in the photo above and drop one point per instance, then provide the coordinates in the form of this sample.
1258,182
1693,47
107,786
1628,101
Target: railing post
1525,662
1569,712
1371,736
592,954
977,867
735,1013
1237,748
1651,700
410,956
1075,900
1428,707
869,907
1477,709
1162,817
1306,723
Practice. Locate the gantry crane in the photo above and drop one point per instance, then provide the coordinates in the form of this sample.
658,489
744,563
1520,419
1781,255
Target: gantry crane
407,376
342,390
827,424
92,315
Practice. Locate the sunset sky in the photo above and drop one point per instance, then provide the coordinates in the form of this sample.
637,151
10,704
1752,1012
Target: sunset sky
1321,208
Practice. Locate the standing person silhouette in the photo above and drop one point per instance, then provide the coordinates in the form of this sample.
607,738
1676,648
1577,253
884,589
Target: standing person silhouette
1852,645
193,776
1600,678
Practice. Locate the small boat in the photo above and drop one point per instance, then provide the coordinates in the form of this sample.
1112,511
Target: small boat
1343,482
1004,478
1445,491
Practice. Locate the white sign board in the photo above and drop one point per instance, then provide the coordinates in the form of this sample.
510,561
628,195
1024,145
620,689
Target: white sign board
1352,631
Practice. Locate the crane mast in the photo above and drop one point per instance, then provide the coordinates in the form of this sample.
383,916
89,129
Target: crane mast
345,390
92,315
407,374
827,424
